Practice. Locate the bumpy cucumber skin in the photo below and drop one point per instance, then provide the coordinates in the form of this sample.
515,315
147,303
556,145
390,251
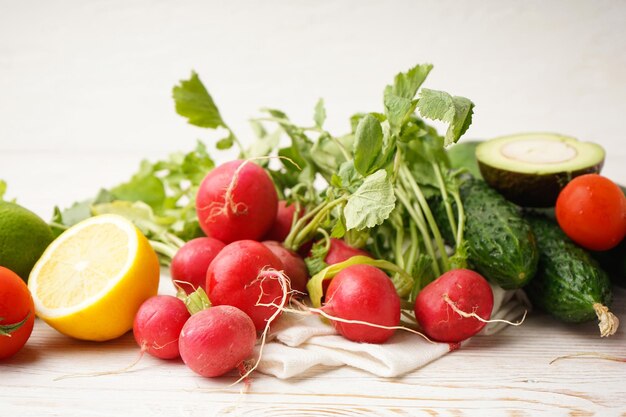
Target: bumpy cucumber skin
501,244
568,281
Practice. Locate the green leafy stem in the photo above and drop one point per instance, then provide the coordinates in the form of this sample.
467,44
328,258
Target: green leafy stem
402,281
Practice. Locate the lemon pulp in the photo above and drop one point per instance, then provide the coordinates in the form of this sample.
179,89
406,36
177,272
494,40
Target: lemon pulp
90,282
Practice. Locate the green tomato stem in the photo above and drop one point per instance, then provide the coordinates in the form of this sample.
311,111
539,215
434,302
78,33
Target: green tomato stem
7,329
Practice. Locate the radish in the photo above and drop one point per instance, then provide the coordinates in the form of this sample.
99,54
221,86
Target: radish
236,201
340,251
235,278
363,293
190,263
217,340
158,324
294,266
283,221
455,306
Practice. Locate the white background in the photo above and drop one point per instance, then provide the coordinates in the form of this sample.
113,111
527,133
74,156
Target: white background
85,87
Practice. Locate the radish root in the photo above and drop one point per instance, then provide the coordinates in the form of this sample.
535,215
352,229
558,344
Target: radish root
103,373
217,208
303,309
591,355
473,314
607,321
285,285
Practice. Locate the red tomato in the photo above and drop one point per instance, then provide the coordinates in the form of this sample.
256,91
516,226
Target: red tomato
16,304
591,210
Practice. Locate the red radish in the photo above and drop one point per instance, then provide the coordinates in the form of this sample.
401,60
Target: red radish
294,266
283,221
340,251
236,201
305,249
455,306
233,278
217,340
363,293
158,324
190,263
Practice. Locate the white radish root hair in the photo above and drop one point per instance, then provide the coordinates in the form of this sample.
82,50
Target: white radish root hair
285,285
303,309
104,373
589,355
177,283
473,314
217,208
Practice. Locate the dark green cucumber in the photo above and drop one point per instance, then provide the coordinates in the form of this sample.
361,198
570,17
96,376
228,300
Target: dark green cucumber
569,284
501,244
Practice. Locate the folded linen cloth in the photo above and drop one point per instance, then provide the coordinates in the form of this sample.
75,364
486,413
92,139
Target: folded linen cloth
300,343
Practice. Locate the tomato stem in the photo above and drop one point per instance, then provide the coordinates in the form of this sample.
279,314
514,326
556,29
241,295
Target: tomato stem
7,329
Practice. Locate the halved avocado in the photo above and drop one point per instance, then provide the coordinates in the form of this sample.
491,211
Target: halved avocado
530,169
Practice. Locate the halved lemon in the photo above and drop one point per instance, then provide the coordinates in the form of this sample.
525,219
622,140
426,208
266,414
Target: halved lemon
90,281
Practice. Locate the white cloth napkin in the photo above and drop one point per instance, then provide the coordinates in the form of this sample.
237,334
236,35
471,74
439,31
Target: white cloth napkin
300,343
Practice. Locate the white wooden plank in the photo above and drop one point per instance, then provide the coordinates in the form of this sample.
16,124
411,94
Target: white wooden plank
501,374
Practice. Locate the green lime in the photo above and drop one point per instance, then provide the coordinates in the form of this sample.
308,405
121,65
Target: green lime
23,238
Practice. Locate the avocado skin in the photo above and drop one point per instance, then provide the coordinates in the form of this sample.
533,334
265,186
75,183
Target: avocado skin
568,281
531,190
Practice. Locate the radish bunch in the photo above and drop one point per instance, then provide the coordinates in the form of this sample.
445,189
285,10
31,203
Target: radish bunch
244,278
249,281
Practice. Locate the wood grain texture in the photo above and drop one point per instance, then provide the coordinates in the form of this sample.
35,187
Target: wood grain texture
505,374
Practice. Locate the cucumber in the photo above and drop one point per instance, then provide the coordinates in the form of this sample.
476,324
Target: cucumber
569,284
500,243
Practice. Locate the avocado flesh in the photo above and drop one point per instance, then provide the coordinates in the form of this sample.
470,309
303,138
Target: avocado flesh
531,169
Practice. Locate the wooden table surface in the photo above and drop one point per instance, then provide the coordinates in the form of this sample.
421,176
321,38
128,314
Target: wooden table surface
506,374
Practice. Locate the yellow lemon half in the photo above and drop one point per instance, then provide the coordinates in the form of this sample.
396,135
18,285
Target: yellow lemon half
90,281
